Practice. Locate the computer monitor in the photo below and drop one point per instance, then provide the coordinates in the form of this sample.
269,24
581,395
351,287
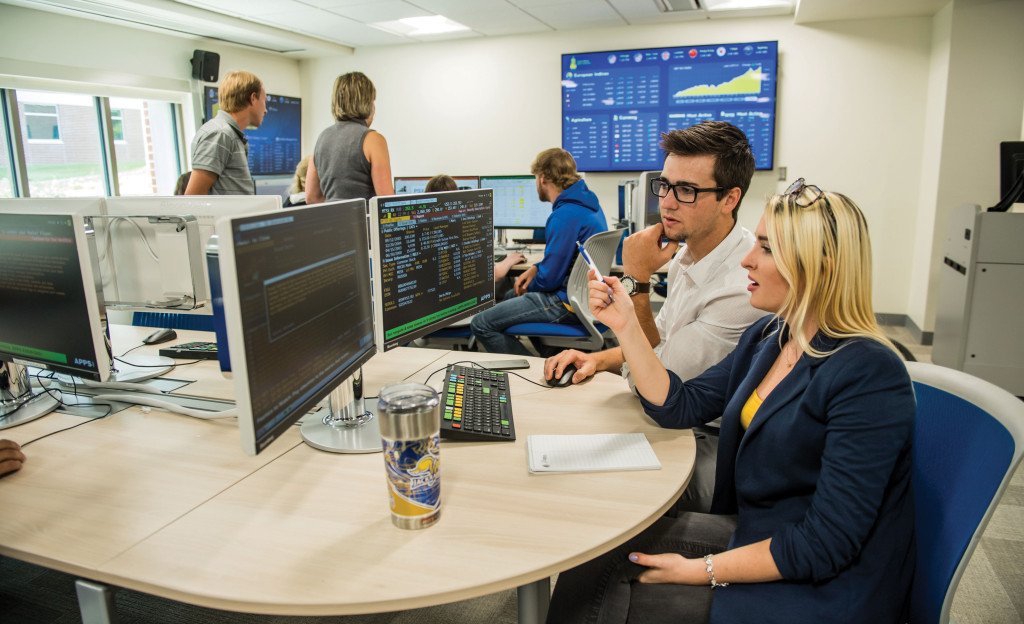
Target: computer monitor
418,184
516,203
296,287
151,249
433,261
274,185
647,205
51,315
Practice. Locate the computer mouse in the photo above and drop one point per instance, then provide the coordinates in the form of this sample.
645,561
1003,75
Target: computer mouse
160,336
565,379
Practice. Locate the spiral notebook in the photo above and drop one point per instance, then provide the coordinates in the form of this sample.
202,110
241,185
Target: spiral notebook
590,453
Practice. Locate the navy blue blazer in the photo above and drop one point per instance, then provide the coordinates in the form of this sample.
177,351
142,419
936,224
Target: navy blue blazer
823,470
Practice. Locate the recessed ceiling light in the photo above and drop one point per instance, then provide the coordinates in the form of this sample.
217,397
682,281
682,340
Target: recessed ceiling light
417,26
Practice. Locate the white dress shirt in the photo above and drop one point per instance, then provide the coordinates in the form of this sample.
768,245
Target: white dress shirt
707,308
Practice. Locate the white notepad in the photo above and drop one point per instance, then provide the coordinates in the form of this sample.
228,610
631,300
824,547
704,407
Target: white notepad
590,453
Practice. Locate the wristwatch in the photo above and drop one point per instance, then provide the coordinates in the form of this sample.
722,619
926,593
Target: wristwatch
633,287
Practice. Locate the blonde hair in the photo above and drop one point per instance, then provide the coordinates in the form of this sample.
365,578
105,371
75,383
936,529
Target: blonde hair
299,184
236,90
557,166
354,95
823,251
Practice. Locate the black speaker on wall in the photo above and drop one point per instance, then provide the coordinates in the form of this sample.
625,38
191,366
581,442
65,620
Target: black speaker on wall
205,65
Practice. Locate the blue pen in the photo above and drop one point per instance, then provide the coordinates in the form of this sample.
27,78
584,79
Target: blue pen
593,267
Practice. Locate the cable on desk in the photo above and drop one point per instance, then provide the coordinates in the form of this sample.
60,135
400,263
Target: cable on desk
167,405
60,400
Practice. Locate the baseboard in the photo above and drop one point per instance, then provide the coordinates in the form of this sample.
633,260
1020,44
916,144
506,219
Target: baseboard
923,338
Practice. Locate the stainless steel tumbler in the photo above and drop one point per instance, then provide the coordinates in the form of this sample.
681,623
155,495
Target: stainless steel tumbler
410,425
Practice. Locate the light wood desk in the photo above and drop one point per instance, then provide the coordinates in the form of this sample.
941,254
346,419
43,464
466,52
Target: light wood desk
169,505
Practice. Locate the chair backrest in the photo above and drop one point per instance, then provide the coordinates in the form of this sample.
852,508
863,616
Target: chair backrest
601,248
968,440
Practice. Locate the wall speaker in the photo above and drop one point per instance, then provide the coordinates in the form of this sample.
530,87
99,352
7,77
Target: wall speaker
205,65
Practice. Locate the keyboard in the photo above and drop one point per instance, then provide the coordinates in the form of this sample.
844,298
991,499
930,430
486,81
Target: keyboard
191,351
476,406
499,257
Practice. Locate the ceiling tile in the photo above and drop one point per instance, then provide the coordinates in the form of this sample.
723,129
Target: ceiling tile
318,23
578,14
383,11
488,17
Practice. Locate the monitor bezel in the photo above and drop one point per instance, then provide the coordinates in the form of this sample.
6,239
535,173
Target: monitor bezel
93,303
375,259
236,340
641,217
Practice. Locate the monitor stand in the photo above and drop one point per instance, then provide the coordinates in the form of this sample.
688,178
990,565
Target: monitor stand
17,405
131,368
351,424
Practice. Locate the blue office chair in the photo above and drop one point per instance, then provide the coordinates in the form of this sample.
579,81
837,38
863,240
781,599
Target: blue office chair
968,440
586,334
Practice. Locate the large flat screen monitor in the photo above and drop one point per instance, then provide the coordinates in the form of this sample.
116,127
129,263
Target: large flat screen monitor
275,148
516,203
418,184
433,261
616,104
152,258
296,287
50,312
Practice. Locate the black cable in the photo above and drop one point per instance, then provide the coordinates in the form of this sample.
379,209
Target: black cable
63,403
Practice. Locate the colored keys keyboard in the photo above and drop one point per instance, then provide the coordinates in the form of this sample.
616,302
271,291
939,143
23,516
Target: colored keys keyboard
475,405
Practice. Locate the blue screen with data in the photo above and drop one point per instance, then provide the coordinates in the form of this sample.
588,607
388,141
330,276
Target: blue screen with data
275,148
615,105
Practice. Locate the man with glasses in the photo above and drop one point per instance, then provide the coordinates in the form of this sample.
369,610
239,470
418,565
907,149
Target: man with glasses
707,171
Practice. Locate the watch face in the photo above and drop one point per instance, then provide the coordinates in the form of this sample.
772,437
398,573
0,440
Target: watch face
629,283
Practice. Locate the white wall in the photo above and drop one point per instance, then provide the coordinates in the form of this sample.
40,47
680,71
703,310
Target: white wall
850,104
40,50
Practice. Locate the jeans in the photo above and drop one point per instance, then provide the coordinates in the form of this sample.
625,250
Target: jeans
531,307
605,590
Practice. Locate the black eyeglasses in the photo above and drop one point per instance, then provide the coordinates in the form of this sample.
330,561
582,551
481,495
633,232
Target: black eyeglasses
684,192
804,195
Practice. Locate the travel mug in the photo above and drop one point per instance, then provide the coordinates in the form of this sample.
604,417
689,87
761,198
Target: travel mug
410,425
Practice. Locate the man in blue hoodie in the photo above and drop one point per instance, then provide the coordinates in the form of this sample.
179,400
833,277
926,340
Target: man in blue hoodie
539,293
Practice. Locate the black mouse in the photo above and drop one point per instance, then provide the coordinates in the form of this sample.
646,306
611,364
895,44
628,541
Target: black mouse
160,336
565,379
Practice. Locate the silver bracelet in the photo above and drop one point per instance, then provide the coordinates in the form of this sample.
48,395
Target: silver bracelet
711,573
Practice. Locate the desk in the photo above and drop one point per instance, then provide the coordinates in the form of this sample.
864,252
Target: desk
170,505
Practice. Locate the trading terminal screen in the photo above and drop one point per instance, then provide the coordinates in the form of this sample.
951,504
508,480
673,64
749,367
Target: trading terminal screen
304,295
434,254
516,202
45,315
615,105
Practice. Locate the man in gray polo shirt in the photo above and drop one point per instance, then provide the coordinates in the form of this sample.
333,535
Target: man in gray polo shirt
220,153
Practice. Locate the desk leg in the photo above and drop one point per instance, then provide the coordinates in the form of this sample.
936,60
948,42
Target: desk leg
533,601
95,602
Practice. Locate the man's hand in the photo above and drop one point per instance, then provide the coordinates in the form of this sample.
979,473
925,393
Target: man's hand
11,457
642,253
585,363
523,281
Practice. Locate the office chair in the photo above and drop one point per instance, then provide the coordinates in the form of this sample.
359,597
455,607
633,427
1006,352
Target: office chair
587,334
968,440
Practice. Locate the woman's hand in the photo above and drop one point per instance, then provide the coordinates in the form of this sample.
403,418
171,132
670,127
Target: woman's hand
615,314
670,568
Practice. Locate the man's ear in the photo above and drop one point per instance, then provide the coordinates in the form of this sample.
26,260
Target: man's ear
732,199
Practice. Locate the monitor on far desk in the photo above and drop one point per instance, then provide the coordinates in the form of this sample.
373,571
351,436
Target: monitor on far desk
418,184
516,205
297,304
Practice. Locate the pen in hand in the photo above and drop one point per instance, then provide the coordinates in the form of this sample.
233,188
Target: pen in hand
593,267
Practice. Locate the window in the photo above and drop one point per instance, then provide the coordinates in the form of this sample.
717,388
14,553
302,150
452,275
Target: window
117,124
66,153
41,123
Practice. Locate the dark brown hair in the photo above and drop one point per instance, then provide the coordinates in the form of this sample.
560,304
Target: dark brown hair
734,162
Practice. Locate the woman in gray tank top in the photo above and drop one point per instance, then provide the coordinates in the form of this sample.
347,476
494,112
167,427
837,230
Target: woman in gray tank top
350,160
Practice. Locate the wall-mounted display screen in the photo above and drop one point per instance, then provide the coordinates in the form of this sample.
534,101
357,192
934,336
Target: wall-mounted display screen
275,147
615,105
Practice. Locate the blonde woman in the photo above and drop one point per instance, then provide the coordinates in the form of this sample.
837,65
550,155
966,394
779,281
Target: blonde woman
350,160
812,518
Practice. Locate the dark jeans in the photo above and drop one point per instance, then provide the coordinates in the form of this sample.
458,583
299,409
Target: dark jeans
531,307
701,489
605,590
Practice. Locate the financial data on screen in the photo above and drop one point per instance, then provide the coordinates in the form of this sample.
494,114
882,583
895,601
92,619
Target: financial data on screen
432,261
615,105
